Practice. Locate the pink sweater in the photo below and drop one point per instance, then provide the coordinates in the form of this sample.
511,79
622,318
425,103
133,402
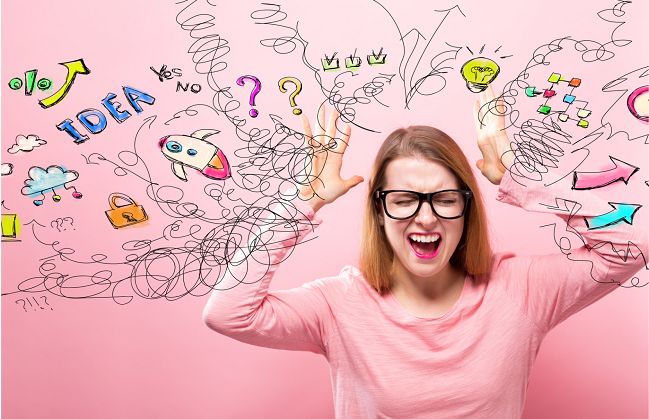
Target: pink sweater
473,362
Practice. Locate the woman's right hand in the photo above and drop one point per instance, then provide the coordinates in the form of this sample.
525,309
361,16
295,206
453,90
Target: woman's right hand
322,184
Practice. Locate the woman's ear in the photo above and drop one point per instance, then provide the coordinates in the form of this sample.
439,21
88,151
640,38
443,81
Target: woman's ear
379,213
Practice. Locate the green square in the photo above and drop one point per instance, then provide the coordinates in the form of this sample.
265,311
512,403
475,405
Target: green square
353,63
376,59
582,123
544,109
331,64
555,78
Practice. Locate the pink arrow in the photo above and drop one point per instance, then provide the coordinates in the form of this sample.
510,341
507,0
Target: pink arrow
591,180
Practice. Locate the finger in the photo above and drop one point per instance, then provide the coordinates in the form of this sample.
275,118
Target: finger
344,141
484,117
476,116
331,126
352,181
479,164
306,127
319,129
489,93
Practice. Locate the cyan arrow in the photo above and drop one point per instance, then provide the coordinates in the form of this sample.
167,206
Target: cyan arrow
621,212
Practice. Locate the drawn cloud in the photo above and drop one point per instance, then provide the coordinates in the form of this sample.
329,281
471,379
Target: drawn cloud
26,144
43,179
6,169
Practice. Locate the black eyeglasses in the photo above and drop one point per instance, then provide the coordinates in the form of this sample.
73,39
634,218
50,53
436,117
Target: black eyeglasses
448,204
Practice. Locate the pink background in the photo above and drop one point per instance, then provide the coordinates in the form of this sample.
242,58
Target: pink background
80,358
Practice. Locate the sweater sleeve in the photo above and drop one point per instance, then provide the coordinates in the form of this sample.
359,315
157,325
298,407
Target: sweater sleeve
593,262
298,319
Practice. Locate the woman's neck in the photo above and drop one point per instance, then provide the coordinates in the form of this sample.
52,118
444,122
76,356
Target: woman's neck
427,297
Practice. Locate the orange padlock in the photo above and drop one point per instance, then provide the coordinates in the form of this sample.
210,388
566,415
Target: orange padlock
125,215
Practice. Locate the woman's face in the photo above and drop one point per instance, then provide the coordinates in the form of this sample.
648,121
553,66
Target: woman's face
423,244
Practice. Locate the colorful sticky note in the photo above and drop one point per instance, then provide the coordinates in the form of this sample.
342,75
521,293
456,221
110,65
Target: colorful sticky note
582,123
574,83
583,113
569,98
531,91
555,78
563,117
549,93
544,109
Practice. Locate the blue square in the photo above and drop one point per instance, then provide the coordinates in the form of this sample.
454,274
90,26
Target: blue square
569,98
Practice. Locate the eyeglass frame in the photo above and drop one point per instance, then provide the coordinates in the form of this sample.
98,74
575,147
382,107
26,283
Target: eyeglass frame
429,198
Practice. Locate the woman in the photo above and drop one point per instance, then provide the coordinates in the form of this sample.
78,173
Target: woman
432,324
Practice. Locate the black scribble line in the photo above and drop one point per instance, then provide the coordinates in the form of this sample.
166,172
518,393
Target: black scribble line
273,16
208,48
623,84
286,44
565,246
539,145
410,88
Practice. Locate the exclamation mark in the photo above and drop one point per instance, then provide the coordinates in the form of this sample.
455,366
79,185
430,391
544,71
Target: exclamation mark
30,81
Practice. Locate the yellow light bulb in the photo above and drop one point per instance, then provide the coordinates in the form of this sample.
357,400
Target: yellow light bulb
479,73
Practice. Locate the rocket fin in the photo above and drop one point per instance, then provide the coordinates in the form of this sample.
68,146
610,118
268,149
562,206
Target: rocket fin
179,171
204,133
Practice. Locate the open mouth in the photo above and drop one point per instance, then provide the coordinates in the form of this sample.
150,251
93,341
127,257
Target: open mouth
425,245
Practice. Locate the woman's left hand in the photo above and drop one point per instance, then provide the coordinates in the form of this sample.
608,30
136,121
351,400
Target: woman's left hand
493,142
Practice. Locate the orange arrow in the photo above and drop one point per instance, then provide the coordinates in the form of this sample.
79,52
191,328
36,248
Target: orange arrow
74,67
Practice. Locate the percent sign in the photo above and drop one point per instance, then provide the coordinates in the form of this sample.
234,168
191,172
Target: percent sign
74,67
30,79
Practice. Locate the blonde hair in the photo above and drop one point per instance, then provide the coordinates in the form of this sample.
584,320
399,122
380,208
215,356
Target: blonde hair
473,252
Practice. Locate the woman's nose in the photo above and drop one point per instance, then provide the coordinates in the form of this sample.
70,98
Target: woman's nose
426,216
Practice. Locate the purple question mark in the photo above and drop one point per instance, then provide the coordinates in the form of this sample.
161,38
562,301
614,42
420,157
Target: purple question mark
253,95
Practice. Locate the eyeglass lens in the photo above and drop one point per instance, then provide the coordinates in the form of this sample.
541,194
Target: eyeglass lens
447,204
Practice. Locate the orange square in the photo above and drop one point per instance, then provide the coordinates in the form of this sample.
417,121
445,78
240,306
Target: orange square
574,83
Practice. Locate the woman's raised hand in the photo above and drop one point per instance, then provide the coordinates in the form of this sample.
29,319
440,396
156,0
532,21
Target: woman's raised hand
493,142
322,183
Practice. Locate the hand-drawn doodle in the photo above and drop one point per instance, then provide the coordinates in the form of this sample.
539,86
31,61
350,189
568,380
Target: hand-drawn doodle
134,96
124,215
331,64
10,227
569,98
6,169
253,95
194,88
298,89
31,305
43,84
23,304
621,213
42,180
74,67
26,144
591,180
353,62
478,73
541,145
377,59
195,152
165,74
45,297
638,103
60,223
